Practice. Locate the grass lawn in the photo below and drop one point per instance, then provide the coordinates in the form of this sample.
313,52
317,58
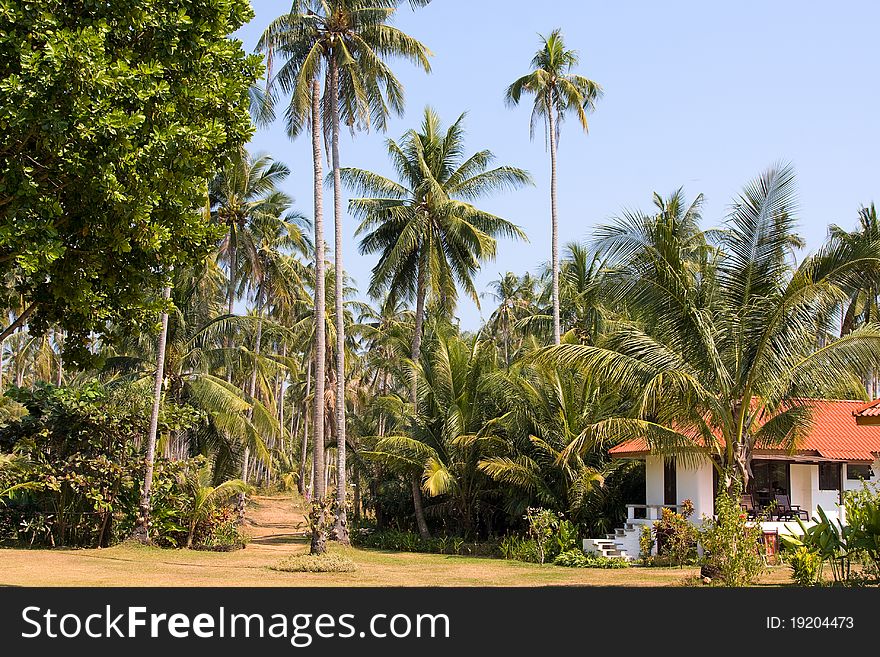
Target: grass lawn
277,531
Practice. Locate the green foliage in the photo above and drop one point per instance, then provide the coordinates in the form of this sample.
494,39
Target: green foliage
316,563
519,549
863,524
731,543
676,536
806,566
406,541
543,525
114,116
646,543
577,559
826,538
76,471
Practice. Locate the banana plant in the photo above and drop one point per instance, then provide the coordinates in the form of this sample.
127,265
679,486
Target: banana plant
829,540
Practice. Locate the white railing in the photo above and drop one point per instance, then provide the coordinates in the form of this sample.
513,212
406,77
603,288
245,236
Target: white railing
647,512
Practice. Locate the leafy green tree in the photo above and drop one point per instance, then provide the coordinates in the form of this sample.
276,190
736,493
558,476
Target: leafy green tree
347,40
557,92
114,117
718,343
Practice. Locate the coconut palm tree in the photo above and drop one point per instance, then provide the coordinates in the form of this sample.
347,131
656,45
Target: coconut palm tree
244,192
431,237
455,426
718,347
347,41
557,92
863,305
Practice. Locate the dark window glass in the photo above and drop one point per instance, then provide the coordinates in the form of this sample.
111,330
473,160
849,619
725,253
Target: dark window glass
829,476
769,479
858,471
670,492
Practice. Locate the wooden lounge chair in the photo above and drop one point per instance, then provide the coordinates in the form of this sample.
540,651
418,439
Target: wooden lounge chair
786,511
747,503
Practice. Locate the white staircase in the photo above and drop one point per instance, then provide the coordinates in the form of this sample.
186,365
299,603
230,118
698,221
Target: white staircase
622,544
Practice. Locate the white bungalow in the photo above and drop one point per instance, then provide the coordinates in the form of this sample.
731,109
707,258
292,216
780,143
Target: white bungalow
841,450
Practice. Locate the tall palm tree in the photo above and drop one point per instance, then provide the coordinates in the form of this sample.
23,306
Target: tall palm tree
244,192
557,92
718,348
863,304
347,41
430,236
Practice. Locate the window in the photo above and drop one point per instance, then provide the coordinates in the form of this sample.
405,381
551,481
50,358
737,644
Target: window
670,492
858,471
829,476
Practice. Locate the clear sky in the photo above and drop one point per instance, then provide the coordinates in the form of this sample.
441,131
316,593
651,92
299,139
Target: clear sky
703,95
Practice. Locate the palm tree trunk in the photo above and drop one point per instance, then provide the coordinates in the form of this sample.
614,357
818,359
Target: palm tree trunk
341,528
230,293
252,391
142,528
59,376
421,293
280,397
554,223
424,532
318,542
305,440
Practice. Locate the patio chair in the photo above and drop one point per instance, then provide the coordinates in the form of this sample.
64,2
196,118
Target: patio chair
786,511
747,504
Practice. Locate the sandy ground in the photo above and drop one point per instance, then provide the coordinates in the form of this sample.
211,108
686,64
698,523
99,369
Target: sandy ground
278,529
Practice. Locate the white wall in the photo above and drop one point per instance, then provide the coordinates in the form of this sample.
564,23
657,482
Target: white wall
829,500
802,486
695,484
654,480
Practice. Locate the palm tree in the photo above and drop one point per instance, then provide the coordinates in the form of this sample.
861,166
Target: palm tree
515,296
455,427
863,305
550,459
429,234
244,192
718,349
142,528
205,497
557,92
347,40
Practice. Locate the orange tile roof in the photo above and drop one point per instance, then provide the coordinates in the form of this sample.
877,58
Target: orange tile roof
842,430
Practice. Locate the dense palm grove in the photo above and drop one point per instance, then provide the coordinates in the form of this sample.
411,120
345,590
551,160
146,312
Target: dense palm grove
373,404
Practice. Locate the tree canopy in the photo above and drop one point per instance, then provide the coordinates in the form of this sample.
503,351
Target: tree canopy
115,115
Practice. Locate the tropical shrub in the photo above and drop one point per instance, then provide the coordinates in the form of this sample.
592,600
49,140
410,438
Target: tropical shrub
519,548
405,541
77,469
577,559
543,525
826,538
646,544
731,544
863,527
676,536
806,566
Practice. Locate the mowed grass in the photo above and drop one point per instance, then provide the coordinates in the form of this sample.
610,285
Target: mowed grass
277,532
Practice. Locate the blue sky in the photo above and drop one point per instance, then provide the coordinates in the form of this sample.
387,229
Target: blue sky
703,95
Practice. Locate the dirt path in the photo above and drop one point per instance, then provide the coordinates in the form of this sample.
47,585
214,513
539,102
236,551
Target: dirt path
274,524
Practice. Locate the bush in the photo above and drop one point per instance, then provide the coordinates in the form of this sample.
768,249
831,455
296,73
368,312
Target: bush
577,559
316,563
806,566
520,549
676,537
731,545
646,544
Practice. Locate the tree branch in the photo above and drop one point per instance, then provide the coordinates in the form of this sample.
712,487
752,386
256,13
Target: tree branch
9,330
